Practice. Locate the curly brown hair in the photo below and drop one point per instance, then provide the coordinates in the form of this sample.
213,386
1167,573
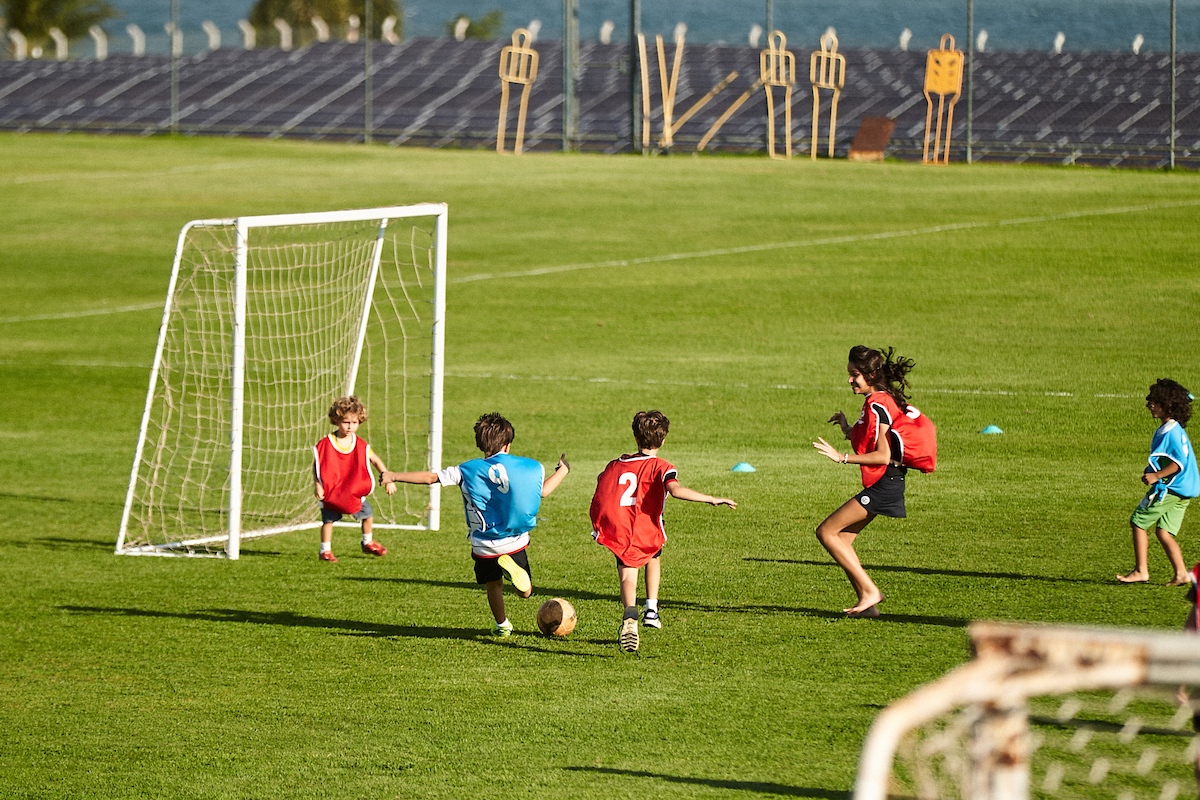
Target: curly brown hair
650,429
1175,400
344,407
492,433
883,370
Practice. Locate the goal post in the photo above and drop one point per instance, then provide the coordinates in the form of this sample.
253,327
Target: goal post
1047,711
267,319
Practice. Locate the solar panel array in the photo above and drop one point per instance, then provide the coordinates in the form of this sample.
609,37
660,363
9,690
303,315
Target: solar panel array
1109,108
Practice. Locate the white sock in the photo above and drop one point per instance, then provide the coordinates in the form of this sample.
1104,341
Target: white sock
326,547
502,624
366,538
652,604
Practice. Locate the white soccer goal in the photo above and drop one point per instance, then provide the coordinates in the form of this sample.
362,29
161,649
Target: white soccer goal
267,320
1045,711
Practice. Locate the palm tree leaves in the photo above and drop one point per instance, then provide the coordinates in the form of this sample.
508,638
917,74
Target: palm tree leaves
299,13
35,18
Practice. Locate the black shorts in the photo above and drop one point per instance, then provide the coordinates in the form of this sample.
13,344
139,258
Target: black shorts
886,495
487,570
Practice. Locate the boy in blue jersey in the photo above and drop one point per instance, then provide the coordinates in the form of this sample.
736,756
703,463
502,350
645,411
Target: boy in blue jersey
1173,480
501,496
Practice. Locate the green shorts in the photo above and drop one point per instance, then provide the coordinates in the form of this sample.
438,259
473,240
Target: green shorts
1166,514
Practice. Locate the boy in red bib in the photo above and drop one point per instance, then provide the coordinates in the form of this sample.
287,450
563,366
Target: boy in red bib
342,476
627,517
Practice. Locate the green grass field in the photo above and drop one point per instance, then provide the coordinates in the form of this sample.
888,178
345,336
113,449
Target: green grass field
1045,301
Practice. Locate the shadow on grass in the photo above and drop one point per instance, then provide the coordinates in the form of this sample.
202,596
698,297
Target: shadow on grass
253,552
64,543
344,626
758,787
43,498
884,617
952,573
544,591
1106,726
686,605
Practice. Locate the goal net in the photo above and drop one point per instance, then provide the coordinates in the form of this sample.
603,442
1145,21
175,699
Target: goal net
267,320
1045,711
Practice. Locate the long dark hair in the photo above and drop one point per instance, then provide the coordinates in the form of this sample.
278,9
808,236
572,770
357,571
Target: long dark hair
1174,399
883,370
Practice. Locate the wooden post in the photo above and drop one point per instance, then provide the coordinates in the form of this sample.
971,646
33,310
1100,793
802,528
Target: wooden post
668,84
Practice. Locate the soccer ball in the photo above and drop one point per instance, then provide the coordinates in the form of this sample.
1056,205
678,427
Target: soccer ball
556,617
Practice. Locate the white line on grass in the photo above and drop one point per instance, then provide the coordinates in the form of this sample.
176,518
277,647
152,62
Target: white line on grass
755,248
11,362
94,312
497,376
778,386
850,239
181,170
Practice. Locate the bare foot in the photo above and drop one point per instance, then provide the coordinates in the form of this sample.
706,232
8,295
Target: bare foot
867,605
1134,577
1178,581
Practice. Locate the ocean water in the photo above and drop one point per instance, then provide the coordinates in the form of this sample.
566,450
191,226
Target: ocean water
1106,25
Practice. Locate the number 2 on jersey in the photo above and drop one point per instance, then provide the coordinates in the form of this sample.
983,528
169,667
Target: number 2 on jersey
627,499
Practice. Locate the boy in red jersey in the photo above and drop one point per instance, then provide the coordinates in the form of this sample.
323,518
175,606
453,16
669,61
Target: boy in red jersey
342,478
627,514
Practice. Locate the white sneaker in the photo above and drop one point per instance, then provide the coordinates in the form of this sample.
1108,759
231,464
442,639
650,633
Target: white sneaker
502,629
651,618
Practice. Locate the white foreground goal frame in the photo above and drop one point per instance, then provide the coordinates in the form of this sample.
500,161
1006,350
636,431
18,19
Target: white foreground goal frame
1080,683
267,319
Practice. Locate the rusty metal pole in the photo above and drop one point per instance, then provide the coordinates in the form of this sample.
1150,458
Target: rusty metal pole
368,92
970,77
635,80
1172,163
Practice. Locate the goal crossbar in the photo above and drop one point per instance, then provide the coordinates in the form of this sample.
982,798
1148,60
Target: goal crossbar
1014,662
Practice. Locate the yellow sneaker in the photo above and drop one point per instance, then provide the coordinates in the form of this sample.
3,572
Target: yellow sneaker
518,576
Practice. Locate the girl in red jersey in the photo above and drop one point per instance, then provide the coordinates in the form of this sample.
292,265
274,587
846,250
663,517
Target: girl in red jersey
880,378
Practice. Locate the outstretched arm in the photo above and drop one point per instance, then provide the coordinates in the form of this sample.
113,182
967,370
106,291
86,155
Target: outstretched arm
882,454
560,472
681,492
839,418
427,478
377,462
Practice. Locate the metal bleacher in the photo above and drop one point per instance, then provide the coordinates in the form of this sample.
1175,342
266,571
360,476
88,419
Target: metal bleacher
1103,108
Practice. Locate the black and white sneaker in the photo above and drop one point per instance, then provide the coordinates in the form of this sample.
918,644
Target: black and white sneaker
651,619
627,637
